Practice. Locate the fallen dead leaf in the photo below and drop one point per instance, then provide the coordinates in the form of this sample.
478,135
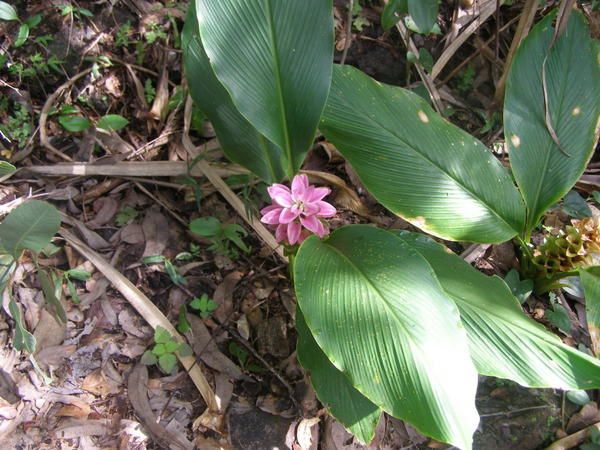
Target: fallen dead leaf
138,396
98,384
206,349
49,332
105,208
74,411
132,234
156,233
223,295
307,433
74,428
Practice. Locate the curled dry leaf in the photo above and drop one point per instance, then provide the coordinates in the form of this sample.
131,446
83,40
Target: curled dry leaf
137,392
99,384
345,197
307,433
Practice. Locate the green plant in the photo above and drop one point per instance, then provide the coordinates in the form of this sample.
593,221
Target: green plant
73,11
70,119
43,221
8,13
387,321
165,350
170,268
123,34
155,32
149,90
222,236
204,305
18,126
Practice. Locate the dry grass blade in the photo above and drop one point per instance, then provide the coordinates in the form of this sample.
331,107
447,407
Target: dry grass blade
147,310
523,28
486,10
425,77
132,169
573,440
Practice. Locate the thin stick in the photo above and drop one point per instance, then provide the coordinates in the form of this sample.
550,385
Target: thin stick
427,80
485,13
523,28
348,40
46,110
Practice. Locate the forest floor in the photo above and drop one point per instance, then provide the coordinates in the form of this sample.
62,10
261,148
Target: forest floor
84,386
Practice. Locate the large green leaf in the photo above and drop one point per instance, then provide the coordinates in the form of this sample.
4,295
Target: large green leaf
423,13
504,342
377,311
590,280
417,164
275,58
30,226
352,409
240,141
544,171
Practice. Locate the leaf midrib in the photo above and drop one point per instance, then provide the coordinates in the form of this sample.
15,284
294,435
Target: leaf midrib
279,87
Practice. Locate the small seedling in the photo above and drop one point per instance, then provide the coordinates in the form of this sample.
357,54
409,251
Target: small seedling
204,305
78,13
242,356
521,289
163,352
171,270
149,91
221,236
75,274
122,35
125,216
154,33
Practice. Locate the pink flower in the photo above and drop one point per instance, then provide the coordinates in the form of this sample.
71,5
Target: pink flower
292,209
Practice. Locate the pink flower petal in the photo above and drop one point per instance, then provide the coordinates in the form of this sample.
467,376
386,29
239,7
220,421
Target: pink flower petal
271,215
287,215
281,232
280,194
326,209
299,187
312,223
293,232
310,209
269,208
317,194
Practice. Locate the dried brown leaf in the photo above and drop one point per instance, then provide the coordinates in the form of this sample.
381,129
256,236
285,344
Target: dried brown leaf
156,233
206,349
138,396
224,295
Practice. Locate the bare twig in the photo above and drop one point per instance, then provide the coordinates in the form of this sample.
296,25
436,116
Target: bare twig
348,40
523,28
132,169
486,11
427,80
574,439
46,110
